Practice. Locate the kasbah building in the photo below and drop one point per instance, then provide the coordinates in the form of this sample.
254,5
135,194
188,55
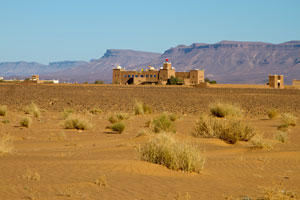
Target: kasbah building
154,76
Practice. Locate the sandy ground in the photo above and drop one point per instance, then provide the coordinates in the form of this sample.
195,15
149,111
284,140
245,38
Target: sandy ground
50,162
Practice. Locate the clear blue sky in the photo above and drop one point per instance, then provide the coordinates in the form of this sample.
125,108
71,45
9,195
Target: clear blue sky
57,30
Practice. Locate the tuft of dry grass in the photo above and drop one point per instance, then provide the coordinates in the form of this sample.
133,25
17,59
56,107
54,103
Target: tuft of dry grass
67,113
6,144
118,117
219,109
272,113
101,181
173,117
258,142
33,109
31,174
141,108
277,192
26,122
281,136
162,123
95,111
288,119
76,122
118,127
165,150
229,130
3,110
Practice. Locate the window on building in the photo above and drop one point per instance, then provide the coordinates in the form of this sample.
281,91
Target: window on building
125,76
142,75
136,76
154,75
150,76
147,76
128,76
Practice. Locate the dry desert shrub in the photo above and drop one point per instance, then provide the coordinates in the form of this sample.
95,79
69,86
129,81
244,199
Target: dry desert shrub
26,122
272,113
95,111
141,108
219,109
258,142
289,119
77,122
6,144
279,193
2,110
162,123
101,181
67,113
173,117
281,136
164,150
118,117
31,174
5,121
33,109
229,130
119,127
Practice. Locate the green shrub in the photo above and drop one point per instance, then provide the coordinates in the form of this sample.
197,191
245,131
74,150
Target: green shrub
141,108
207,80
272,113
288,119
76,122
6,144
118,127
99,82
26,122
281,136
174,81
229,130
219,109
162,123
283,127
33,109
2,110
5,121
164,150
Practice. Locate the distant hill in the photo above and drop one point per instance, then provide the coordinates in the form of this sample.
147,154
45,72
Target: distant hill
225,61
236,62
102,68
23,69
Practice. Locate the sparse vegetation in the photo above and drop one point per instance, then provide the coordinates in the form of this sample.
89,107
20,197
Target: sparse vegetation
118,127
288,119
33,109
229,130
281,136
277,192
26,122
141,108
162,123
164,150
258,142
219,109
2,110
6,144
272,113
76,122
5,121
174,81
101,181
173,117
207,80
118,117
67,113
95,111
31,174
99,82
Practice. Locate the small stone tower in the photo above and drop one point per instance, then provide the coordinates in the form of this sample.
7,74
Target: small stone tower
276,81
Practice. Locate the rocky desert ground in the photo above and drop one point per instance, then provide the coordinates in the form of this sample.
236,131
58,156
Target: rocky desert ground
48,161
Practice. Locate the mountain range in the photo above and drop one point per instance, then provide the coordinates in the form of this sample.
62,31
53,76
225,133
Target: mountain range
225,62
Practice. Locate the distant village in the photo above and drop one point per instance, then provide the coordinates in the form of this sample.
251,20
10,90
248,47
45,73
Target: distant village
166,75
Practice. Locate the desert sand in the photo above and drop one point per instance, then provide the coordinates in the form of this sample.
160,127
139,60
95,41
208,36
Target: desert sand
51,162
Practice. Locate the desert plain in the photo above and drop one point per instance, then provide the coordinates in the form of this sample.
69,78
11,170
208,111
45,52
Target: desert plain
50,162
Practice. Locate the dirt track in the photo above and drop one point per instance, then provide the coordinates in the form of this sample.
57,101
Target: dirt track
109,98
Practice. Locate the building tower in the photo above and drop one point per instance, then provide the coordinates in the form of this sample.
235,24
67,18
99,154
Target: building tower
167,71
